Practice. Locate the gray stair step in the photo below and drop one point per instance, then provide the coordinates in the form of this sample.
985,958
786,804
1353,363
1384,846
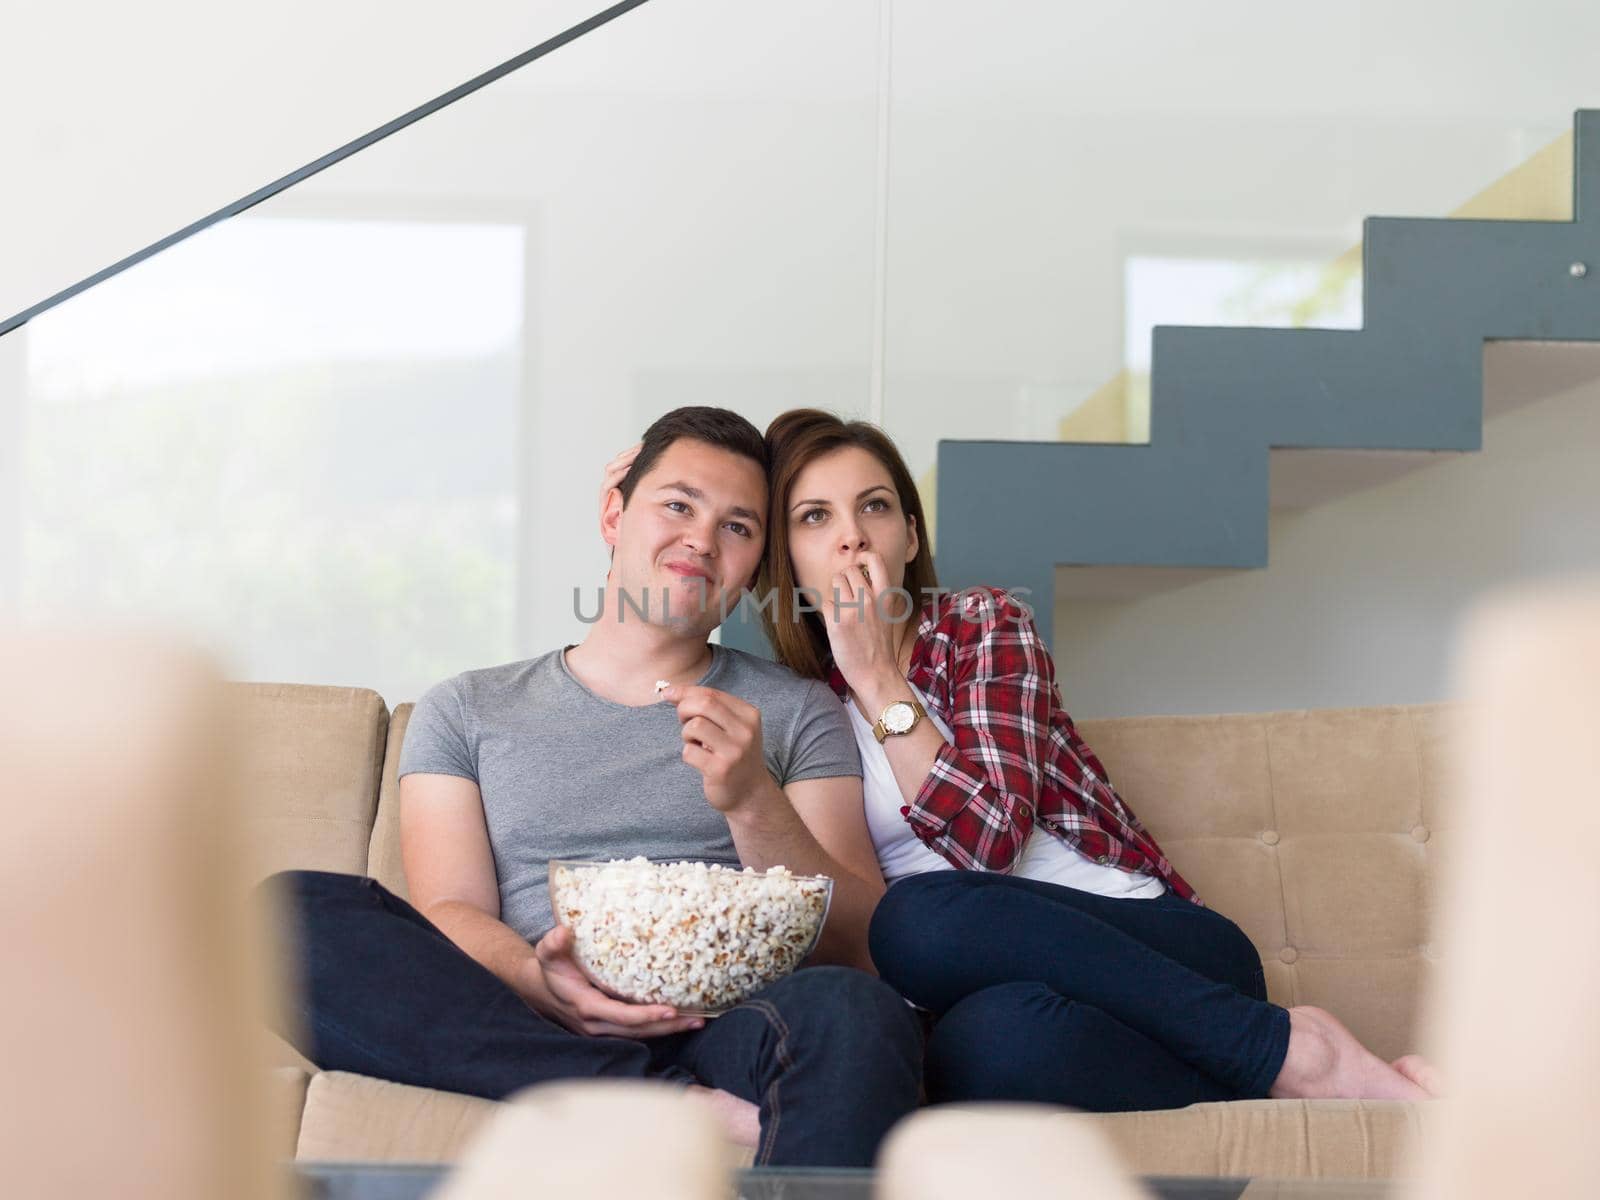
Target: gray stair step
1246,419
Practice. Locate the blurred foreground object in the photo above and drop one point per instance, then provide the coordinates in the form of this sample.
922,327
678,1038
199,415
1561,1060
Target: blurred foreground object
1513,1012
1017,1151
133,983
602,1139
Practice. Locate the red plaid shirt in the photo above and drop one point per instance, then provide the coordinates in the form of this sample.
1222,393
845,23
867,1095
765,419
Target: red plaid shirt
1017,760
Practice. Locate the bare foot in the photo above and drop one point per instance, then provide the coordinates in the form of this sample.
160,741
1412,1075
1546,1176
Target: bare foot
740,1120
1421,1072
1325,1061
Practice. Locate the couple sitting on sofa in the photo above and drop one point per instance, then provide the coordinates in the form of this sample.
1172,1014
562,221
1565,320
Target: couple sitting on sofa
1063,960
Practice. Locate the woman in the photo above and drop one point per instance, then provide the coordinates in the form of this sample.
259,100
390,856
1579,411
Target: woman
1066,960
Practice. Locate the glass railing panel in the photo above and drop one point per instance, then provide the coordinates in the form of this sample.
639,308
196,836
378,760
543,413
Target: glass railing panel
354,435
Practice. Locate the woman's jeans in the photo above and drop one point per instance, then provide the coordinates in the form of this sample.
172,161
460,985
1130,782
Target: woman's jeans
1050,994
829,1054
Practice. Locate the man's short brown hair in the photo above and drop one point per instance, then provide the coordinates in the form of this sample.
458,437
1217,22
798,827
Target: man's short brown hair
719,427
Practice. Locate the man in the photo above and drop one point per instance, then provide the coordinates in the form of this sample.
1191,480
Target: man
574,755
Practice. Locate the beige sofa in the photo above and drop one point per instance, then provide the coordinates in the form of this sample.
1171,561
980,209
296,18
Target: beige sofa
1320,833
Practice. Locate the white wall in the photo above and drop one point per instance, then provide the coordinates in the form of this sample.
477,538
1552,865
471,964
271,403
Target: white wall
1361,598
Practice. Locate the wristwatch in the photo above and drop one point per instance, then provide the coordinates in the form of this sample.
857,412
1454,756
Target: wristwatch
898,718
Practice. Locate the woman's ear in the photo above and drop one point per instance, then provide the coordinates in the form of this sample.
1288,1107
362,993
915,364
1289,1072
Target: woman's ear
913,544
611,517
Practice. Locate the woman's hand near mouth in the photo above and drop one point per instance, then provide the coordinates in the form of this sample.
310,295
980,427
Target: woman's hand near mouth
616,471
862,631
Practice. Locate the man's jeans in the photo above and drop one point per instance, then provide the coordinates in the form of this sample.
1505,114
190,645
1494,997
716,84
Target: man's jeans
831,1055
1050,994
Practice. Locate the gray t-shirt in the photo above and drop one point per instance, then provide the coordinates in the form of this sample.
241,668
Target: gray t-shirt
565,773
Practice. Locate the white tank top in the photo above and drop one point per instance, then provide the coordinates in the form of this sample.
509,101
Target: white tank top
900,852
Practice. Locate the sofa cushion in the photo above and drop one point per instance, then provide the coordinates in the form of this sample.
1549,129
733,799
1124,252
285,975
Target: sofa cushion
308,765
1283,1139
1318,832
355,1118
383,857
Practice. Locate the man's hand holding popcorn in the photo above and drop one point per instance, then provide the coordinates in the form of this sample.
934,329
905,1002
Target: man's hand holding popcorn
722,740
560,989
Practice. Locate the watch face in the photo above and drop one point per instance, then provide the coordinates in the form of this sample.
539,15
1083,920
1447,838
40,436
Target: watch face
898,717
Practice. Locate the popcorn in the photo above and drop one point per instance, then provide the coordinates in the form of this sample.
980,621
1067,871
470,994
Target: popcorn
661,686
698,936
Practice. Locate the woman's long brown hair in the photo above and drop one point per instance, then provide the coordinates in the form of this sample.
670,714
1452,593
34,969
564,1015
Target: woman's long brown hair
796,439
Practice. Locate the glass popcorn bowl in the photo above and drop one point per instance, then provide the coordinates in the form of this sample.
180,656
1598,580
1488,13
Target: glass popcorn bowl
696,936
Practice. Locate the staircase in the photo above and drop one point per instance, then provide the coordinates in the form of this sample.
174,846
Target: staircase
1243,420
